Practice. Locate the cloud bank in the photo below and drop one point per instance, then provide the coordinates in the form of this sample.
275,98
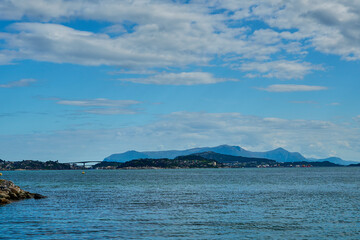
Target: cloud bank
162,34
292,88
20,83
181,130
184,78
102,106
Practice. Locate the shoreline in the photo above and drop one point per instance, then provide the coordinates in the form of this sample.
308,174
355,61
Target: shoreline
9,193
160,168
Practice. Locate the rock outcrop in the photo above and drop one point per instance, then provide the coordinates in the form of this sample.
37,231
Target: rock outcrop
9,192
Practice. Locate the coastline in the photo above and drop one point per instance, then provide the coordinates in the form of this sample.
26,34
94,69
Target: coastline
9,192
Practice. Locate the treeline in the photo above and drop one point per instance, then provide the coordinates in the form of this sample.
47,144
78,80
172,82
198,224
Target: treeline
33,165
180,162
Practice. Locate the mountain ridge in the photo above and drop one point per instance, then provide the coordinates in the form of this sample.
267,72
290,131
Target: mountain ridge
278,154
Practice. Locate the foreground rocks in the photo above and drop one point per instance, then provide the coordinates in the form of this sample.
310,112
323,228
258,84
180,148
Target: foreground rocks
9,192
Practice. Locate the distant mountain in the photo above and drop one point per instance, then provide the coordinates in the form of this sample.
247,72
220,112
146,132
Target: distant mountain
235,161
127,156
279,154
132,155
335,160
223,158
196,160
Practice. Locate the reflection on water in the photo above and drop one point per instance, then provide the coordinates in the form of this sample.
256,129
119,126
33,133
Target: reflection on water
186,204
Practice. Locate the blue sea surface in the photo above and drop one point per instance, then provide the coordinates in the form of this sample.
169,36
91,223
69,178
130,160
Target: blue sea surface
278,203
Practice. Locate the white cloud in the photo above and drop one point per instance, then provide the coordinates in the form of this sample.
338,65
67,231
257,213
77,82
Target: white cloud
281,69
183,78
99,102
168,34
6,56
357,118
108,10
102,106
164,34
330,26
110,111
116,28
60,44
20,83
292,88
304,102
189,32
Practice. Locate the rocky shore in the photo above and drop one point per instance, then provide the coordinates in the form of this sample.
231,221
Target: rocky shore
9,192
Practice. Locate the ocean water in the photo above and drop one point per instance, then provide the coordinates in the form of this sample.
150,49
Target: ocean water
279,203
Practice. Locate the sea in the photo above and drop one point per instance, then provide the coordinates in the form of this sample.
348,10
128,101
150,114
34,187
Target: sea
276,203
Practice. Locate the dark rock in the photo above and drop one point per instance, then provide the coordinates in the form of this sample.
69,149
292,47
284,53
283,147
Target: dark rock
9,192
38,196
4,201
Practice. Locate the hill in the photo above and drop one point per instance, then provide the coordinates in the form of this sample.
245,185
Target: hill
163,163
208,160
235,161
355,165
33,165
279,154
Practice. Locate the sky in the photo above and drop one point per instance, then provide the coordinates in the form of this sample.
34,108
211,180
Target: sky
83,79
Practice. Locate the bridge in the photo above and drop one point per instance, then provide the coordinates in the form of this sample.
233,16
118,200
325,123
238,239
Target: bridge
84,162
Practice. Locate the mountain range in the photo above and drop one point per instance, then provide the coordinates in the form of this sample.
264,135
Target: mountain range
279,155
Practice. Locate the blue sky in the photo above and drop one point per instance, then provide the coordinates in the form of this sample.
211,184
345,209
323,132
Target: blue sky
82,79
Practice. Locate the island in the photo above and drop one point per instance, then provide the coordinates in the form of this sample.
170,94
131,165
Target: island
34,165
162,163
207,160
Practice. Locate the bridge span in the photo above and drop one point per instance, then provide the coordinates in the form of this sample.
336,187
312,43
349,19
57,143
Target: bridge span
84,162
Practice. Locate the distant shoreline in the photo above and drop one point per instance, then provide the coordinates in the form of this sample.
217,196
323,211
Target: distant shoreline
202,160
159,168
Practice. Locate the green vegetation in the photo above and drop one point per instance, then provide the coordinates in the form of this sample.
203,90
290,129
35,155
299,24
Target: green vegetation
180,162
33,165
236,161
